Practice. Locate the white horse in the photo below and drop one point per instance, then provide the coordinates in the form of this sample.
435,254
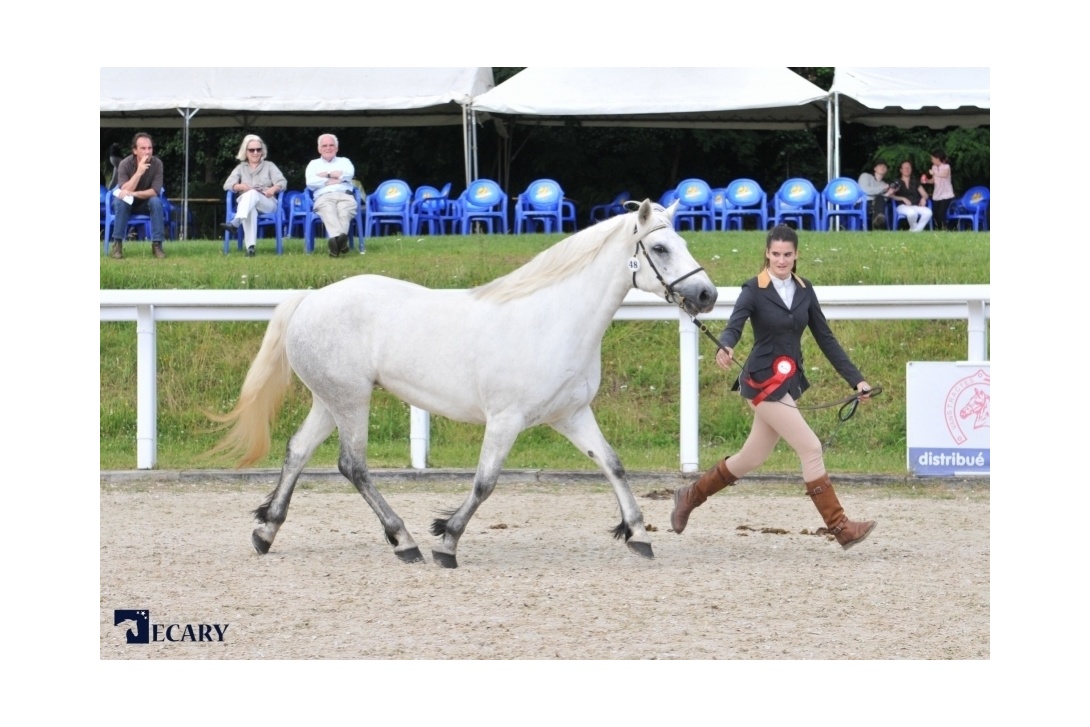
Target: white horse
522,350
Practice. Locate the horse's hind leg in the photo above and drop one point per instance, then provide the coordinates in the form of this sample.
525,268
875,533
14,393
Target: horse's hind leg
271,514
582,430
498,439
353,464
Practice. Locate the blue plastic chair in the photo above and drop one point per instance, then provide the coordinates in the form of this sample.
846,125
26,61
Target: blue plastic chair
429,209
601,212
484,203
745,198
843,200
142,223
312,221
103,199
694,205
719,206
972,208
264,219
390,205
668,197
541,204
797,200
294,215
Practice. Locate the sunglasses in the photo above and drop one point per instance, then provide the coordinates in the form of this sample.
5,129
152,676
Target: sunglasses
255,150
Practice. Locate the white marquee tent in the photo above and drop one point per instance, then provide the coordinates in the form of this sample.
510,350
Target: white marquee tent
713,98
906,97
693,98
242,97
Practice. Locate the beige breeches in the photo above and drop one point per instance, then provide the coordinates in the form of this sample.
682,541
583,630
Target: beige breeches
771,421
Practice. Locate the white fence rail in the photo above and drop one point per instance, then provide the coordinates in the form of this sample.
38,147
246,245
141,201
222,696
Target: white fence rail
874,302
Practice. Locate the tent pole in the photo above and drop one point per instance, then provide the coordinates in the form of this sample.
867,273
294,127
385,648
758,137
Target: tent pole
476,151
836,131
469,140
187,114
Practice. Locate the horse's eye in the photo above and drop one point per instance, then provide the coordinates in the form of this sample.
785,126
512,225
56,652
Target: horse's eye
659,249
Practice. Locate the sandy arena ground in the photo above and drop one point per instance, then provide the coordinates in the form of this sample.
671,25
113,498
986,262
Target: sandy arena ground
540,577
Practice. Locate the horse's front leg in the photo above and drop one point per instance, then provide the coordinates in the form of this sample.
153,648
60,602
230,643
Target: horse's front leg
353,464
499,437
582,430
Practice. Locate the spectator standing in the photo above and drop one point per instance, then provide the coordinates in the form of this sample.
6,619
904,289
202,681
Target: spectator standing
943,192
139,179
329,177
255,182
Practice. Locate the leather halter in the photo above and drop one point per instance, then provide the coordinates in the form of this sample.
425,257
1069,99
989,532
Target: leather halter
678,298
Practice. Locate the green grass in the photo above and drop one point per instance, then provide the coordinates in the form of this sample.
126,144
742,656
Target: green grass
201,365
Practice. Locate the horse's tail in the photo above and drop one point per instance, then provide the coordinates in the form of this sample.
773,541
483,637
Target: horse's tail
262,393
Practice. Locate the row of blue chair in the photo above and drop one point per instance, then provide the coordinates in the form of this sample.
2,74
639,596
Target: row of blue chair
798,202
482,206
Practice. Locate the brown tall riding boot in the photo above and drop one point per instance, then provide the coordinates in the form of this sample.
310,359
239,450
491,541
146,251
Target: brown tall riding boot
115,250
157,250
847,532
690,497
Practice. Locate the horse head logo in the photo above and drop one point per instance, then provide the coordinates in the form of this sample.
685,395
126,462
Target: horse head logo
979,407
139,619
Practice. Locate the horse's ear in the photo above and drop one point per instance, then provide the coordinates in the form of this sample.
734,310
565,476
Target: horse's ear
631,205
644,216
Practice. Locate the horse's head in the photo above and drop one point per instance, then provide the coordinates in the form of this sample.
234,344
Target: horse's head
661,262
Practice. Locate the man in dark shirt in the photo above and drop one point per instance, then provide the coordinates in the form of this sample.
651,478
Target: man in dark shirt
139,179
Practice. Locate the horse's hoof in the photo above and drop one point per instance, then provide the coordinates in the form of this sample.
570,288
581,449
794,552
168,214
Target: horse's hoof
444,560
643,549
411,555
260,544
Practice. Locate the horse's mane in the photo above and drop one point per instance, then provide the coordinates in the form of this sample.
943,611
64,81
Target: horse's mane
562,259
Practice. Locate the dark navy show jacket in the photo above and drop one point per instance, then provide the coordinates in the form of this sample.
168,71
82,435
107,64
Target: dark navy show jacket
777,332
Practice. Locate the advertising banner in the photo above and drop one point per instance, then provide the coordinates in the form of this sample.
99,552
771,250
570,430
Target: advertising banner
949,418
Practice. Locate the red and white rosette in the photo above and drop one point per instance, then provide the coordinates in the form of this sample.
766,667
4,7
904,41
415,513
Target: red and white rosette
783,369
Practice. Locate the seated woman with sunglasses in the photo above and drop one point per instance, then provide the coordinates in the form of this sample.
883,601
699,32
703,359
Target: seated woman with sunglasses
255,182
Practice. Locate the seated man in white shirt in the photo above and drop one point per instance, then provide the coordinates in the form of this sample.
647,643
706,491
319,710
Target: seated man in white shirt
329,177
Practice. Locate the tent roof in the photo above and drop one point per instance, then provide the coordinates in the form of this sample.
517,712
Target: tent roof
720,98
289,96
905,97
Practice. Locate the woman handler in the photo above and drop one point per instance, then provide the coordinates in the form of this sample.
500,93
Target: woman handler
781,305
